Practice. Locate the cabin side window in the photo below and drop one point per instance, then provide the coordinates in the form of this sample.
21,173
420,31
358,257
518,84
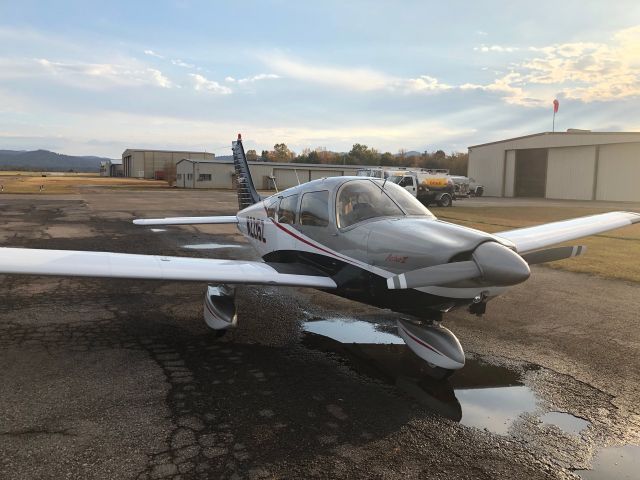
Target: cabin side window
287,209
314,209
272,207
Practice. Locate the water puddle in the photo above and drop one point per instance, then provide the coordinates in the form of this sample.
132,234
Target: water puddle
565,421
619,463
496,408
157,230
347,330
210,246
481,395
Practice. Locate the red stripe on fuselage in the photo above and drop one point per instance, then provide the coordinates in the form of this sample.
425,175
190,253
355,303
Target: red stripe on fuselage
420,341
297,237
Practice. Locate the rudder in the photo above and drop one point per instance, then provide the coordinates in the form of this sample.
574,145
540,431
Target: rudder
247,194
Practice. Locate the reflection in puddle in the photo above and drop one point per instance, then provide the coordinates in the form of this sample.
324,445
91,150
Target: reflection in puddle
619,463
495,409
480,395
156,230
210,246
565,422
346,330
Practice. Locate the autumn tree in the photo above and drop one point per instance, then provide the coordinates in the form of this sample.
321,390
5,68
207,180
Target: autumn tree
252,156
281,153
363,155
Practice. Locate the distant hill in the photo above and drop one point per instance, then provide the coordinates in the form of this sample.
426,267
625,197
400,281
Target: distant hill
45,160
410,153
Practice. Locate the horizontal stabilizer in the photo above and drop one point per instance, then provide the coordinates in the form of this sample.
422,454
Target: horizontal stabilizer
553,254
28,261
231,219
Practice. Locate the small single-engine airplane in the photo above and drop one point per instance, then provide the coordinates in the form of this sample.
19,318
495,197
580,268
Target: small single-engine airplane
365,239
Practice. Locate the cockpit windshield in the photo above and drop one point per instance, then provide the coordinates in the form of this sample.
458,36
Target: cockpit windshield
410,204
360,200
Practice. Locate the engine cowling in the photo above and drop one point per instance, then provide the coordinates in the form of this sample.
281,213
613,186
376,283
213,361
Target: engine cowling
220,310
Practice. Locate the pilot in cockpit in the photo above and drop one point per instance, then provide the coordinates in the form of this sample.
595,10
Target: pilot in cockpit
355,207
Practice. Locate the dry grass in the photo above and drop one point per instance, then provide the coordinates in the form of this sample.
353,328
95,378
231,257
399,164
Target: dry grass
29,182
615,254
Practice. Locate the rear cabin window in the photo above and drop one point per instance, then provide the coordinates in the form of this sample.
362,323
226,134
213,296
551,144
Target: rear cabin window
314,209
287,209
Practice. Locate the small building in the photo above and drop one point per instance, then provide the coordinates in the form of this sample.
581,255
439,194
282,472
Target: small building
576,165
111,168
192,173
156,164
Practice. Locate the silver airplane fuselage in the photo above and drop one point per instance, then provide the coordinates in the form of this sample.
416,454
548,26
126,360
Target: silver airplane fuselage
361,256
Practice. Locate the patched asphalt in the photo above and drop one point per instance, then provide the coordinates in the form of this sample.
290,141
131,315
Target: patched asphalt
122,378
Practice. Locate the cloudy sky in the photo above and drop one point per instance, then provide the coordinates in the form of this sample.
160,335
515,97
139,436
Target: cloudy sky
98,77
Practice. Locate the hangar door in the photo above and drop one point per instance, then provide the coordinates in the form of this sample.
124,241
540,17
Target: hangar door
289,177
531,172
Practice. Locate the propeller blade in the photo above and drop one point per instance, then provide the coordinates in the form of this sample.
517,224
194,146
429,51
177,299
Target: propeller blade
491,261
436,275
553,254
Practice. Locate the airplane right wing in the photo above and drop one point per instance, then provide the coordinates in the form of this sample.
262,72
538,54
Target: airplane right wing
28,261
547,234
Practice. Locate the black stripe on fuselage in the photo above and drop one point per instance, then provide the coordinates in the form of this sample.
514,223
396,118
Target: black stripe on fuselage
358,284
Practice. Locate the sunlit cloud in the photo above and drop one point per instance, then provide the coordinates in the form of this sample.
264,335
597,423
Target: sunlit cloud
151,53
86,75
584,71
180,63
495,48
424,83
359,79
202,83
257,78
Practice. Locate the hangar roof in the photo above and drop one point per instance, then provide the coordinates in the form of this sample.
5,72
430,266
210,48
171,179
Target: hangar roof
280,164
164,151
581,137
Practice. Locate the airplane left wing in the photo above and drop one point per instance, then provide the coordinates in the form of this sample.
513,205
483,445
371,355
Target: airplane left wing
547,234
29,261
219,220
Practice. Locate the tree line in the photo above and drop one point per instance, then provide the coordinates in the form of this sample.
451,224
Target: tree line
360,154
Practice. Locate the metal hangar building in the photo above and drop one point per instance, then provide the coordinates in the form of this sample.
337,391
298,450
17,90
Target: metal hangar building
156,164
220,173
576,165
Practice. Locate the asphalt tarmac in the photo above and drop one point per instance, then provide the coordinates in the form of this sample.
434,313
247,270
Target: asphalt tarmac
122,378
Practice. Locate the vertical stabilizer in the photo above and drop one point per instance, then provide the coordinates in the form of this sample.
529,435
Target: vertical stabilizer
247,194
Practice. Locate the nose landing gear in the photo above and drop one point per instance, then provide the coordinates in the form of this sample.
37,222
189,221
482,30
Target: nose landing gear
479,305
